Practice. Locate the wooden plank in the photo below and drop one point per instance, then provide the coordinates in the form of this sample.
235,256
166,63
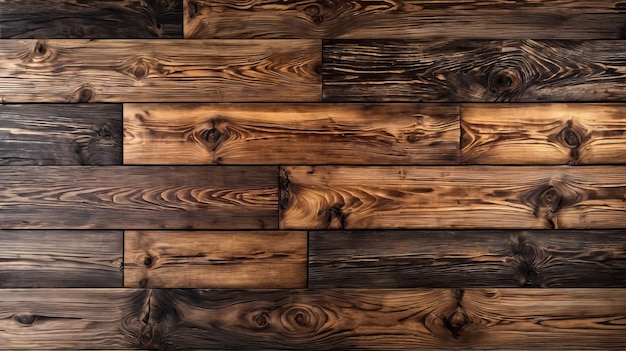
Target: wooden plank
60,135
91,19
164,259
409,259
555,197
544,134
475,71
64,259
160,70
408,19
120,197
290,133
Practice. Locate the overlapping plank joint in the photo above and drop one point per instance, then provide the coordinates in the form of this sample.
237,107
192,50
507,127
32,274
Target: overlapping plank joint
367,174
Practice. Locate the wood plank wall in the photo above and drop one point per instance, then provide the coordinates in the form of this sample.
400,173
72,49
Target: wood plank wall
315,175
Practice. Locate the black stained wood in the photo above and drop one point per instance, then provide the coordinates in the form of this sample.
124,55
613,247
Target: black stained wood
474,70
91,19
60,134
61,259
124,197
409,259
406,19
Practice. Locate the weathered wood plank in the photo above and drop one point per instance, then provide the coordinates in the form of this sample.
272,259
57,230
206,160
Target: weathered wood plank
543,134
121,197
556,197
63,259
410,19
60,134
288,133
474,71
164,259
160,70
409,259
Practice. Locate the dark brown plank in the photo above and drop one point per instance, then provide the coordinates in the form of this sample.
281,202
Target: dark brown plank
64,259
555,197
475,71
91,19
544,134
406,19
160,70
403,259
60,134
192,259
138,197
288,133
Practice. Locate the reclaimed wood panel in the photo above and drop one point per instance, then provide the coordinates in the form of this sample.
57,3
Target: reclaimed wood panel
291,134
64,259
543,134
166,259
60,134
410,259
557,197
91,19
474,71
160,70
418,19
126,197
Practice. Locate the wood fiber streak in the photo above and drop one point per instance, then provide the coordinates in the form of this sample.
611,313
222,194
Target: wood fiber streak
474,71
557,197
160,70
396,19
138,197
60,135
287,133
164,259
544,134
91,19
403,259
64,259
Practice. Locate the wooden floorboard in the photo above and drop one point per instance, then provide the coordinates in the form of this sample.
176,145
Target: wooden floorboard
291,134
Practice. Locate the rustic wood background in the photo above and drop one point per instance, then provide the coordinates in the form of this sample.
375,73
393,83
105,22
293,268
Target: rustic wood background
312,174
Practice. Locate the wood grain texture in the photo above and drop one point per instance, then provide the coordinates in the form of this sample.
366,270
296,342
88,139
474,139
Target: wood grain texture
292,134
85,197
544,134
165,259
60,135
160,70
91,19
557,197
65,259
397,19
474,71
409,259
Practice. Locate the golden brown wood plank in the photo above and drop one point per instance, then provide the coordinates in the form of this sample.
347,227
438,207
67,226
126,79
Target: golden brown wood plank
474,71
498,258
91,19
334,197
164,259
544,134
160,70
406,19
60,134
121,197
289,133
65,259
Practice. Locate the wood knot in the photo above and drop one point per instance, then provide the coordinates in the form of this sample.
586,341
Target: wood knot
40,49
146,336
456,322
551,199
85,94
262,320
143,283
312,10
504,81
25,318
526,259
334,218
192,9
213,133
148,261
299,319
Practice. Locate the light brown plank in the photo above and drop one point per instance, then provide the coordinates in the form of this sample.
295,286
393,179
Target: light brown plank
160,70
164,259
405,19
334,197
544,134
288,133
